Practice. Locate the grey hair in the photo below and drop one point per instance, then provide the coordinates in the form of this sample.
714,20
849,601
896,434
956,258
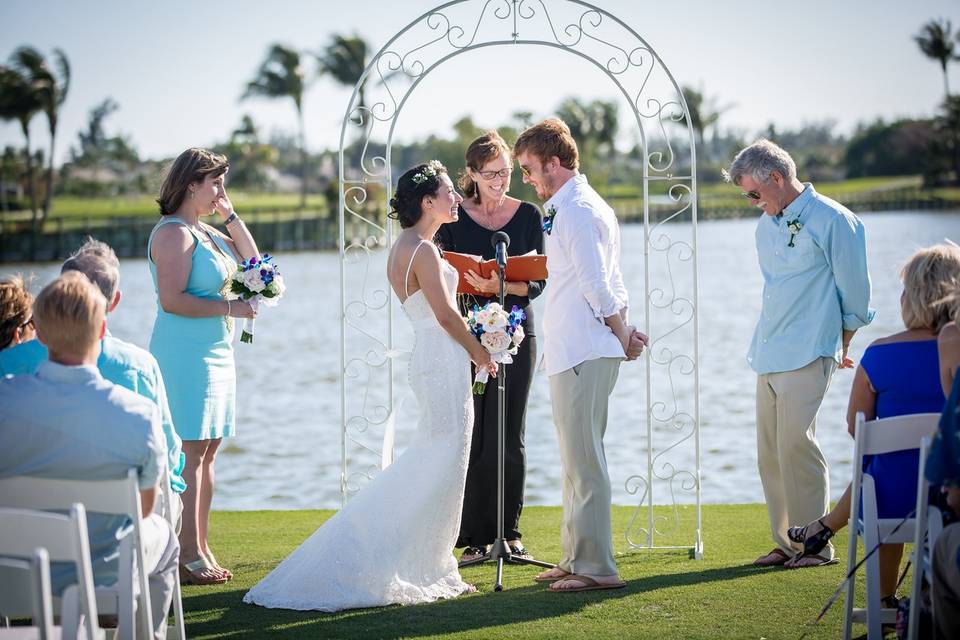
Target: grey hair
98,261
758,161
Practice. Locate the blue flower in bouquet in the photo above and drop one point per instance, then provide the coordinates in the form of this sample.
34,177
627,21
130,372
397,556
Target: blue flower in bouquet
499,332
255,280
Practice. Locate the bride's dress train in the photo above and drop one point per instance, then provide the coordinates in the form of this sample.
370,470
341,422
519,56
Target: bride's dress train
392,542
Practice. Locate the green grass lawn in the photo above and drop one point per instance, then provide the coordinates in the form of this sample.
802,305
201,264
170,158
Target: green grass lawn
668,594
717,195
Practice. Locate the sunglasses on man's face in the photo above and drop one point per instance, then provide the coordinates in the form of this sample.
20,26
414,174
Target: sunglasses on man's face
490,175
525,171
751,195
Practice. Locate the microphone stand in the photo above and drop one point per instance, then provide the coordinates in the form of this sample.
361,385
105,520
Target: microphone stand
500,551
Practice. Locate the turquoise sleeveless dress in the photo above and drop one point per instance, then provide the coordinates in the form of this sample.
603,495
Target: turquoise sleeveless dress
196,354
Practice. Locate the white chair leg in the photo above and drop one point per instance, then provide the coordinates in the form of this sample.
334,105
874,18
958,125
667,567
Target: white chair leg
848,601
872,565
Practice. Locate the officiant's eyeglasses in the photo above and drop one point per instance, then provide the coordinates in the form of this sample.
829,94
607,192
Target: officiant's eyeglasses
751,195
490,175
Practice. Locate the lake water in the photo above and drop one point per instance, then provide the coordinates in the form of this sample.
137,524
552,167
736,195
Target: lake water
287,451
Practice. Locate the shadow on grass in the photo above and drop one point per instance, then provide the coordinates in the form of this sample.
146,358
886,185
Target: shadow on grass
232,618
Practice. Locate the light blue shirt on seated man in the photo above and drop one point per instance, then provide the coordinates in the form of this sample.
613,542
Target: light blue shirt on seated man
812,291
121,363
68,422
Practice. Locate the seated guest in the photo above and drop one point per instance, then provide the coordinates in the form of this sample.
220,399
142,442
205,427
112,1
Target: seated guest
943,468
16,321
67,422
120,362
898,375
945,565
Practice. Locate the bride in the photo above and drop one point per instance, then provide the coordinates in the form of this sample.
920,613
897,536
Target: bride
393,542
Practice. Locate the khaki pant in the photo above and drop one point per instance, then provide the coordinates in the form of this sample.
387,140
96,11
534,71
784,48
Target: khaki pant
946,583
161,552
579,397
793,470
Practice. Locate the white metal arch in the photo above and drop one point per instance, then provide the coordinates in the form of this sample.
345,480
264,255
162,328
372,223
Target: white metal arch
671,421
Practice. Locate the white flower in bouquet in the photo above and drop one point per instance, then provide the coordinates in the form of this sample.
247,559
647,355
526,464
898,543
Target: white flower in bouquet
496,341
256,280
499,333
253,281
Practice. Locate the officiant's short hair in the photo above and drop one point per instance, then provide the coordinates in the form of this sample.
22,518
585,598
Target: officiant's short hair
550,138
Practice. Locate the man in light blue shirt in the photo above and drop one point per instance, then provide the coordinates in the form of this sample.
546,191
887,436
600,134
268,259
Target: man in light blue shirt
120,362
67,422
816,294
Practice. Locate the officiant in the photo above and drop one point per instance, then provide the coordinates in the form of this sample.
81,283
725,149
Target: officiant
486,209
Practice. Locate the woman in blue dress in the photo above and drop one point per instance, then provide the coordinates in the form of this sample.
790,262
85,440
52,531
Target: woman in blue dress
898,375
192,336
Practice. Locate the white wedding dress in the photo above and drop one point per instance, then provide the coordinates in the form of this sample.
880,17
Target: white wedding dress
393,542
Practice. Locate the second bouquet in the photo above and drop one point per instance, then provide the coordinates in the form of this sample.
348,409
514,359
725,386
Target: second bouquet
499,332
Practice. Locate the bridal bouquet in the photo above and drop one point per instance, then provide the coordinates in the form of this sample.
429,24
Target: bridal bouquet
256,280
500,334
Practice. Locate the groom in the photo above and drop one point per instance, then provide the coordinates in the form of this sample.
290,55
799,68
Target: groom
585,337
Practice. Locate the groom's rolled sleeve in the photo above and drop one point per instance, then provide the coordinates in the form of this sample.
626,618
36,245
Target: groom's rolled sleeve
847,253
593,274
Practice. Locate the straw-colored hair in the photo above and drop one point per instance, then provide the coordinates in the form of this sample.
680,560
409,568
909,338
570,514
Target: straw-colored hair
193,165
69,314
931,279
550,138
484,149
15,303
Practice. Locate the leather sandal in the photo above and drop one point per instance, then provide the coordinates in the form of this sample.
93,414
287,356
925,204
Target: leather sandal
814,544
472,553
191,573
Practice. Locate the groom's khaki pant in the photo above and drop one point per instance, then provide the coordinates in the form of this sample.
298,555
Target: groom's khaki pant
579,398
792,467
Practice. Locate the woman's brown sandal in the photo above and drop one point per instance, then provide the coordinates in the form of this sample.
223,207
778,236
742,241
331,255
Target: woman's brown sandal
193,573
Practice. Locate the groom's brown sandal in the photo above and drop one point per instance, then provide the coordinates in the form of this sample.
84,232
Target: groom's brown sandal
589,584
775,558
543,577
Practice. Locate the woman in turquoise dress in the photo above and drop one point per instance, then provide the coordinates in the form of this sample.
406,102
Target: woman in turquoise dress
192,336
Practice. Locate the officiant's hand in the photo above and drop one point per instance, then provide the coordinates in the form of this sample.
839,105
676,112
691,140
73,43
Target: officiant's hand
488,286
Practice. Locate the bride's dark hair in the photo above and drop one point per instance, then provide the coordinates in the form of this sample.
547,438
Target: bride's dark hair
414,185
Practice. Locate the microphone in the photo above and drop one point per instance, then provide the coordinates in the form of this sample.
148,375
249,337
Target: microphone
501,241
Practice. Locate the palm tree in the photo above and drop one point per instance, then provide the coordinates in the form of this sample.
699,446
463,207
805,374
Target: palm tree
345,59
20,101
936,42
704,112
282,76
52,91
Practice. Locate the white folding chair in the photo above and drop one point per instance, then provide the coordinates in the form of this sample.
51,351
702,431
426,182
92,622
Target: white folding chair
177,631
37,570
44,537
900,433
129,597
929,526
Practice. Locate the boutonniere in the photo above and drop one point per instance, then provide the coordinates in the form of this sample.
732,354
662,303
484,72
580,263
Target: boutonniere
548,219
794,227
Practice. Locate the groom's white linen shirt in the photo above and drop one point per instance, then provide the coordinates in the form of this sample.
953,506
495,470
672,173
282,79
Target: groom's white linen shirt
585,283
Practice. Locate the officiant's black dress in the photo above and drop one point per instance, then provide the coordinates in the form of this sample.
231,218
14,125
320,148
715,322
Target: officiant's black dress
478,526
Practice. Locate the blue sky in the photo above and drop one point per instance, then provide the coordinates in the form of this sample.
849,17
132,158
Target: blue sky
177,68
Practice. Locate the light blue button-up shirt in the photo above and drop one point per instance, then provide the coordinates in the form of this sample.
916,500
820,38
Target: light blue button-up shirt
121,363
813,290
69,423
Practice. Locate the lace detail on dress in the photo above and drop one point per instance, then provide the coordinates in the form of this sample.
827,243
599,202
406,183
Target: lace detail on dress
372,552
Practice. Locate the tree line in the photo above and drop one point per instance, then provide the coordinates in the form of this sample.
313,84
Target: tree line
102,164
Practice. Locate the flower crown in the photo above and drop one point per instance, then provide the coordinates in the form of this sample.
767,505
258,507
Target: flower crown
430,171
